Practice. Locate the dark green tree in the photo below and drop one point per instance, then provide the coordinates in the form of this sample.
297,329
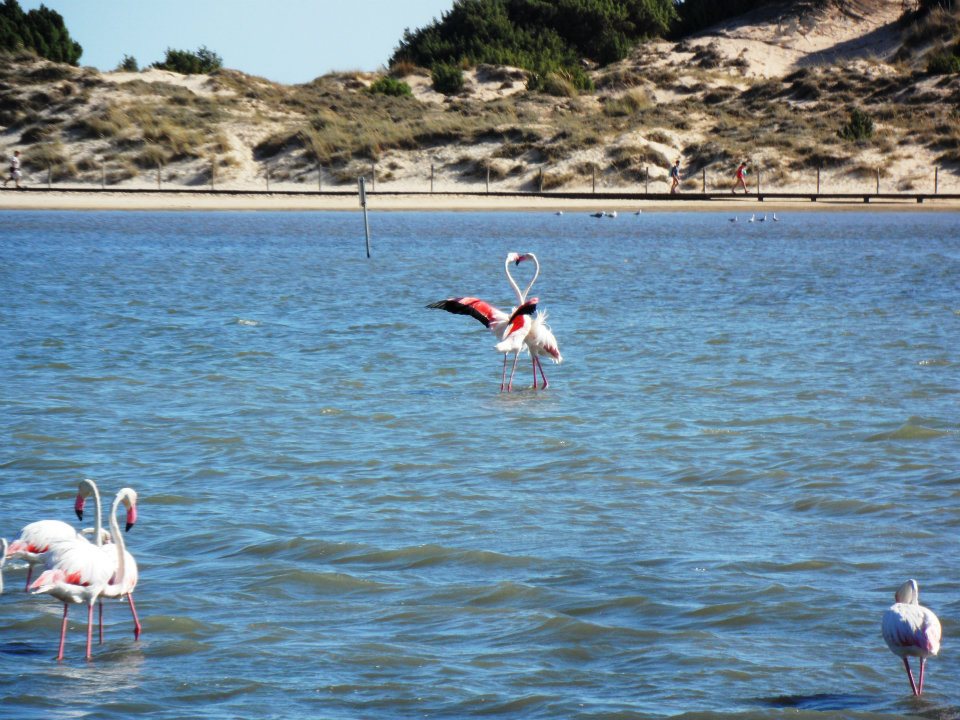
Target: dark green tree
188,62
41,31
539,35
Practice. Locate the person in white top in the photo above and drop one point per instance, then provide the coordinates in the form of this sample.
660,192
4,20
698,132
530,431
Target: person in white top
14,169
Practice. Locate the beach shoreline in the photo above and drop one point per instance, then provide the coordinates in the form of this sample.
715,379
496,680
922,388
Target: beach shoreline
100,200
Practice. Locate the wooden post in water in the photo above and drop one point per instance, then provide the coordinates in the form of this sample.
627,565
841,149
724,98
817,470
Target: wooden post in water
363,204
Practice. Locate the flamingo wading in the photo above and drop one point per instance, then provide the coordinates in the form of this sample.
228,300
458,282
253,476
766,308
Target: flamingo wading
78,571
36,539
910,629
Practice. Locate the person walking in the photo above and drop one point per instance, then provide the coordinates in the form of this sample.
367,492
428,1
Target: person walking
741,182
14,170
675,177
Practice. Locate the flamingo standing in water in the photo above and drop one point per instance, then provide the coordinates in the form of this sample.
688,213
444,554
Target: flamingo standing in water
36,539
79,571
510,328
540,340
911,629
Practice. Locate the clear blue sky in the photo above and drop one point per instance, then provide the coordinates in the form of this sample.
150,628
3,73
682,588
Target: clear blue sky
289,41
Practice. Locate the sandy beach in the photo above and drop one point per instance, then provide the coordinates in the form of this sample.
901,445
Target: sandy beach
200,200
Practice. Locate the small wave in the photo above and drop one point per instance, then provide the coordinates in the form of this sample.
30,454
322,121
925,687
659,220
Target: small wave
936,362
840,506
246,322
908,432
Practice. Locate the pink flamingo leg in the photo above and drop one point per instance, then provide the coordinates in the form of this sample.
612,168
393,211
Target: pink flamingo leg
920,684
136,620
512,371
63,631
503,375
540,365
913,685
101,622
533,360
89,631
29,574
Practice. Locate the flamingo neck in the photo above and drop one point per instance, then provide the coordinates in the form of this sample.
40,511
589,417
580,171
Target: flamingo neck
516,288
536,274
98,523
118,540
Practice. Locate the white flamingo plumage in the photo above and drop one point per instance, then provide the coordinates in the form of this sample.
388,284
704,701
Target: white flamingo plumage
540,341
36,539
910,629
3,560
79,572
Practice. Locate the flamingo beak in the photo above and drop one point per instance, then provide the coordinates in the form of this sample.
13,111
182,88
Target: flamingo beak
520,259
78,506
131,516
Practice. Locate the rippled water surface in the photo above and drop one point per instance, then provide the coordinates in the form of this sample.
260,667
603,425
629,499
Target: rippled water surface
752,441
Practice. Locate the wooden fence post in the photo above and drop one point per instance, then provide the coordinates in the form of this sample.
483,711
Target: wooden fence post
704,179
540,182
936,180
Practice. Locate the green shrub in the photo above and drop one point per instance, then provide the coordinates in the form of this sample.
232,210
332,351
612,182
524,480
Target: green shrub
186,62
128,64
858,127
390,86
447,79
943,63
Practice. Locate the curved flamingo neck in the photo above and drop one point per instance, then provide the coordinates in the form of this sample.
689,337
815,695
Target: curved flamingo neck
536,274
97,523
513,283
118,539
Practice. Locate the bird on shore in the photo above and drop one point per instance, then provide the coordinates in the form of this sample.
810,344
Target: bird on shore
910,629
36,539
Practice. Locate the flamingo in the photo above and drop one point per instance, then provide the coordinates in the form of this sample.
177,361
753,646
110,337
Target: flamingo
509,329
125,579
79,571
3,560
540,340
37,538
911,629
752,218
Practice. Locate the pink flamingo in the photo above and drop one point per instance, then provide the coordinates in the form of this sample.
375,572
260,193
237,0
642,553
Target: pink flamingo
79,572
911,629
36,539
540,340
509,328
3,560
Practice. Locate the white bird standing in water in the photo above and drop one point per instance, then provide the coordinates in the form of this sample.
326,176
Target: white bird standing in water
911,629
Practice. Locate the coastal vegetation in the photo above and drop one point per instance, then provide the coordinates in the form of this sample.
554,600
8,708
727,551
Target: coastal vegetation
41,31
702,99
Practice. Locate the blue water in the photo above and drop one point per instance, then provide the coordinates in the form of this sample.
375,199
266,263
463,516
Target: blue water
752,441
